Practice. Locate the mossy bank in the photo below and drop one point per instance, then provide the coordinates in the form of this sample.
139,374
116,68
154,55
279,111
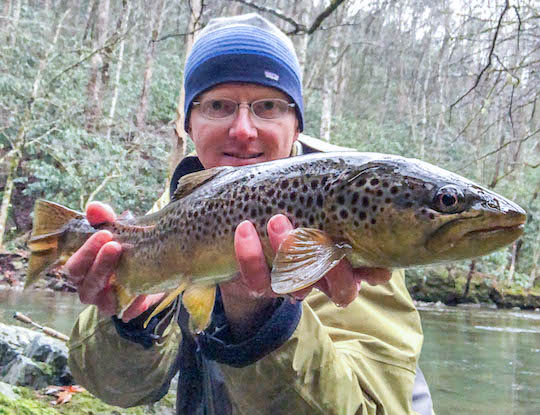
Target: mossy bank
453,286
26,401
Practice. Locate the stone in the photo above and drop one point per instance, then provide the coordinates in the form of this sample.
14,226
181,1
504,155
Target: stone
7,390
31,358
23,371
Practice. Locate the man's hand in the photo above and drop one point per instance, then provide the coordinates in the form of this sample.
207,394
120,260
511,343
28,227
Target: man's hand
248,297
91,268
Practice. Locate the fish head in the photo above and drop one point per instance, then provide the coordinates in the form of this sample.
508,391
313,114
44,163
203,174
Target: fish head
411,213
477,221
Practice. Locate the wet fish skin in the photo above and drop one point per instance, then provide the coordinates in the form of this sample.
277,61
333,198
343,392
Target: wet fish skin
375,209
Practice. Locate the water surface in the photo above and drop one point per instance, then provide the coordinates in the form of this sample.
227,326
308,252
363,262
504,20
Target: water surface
476,361
482,361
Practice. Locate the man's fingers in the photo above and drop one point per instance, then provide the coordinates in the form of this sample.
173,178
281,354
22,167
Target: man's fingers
81,261
279,227
250,257
106,302
140,305
97,213
100,272
373,276
341,286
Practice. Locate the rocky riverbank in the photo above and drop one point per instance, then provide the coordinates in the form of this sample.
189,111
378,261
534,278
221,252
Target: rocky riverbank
30,362
453,286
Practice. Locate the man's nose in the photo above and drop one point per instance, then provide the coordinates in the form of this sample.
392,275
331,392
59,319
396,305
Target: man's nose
243,127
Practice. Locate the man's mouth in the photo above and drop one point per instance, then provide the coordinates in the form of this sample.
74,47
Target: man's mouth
243,156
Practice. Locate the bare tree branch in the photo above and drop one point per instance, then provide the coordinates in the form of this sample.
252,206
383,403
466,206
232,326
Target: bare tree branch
298,27
326,12
521,140
490,55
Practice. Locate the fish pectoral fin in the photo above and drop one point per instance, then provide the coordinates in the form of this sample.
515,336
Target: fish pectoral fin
169,298
199,302
303,258
192,181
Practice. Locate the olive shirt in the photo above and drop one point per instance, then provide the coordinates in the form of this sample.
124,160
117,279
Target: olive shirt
310,357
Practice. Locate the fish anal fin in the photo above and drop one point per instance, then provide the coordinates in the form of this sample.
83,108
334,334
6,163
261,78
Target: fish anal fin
166,301
199,302
303,258
192,181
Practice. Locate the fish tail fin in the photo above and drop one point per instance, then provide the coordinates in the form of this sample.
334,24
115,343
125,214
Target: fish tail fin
48,226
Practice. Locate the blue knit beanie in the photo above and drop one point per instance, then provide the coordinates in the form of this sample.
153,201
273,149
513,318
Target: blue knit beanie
246,48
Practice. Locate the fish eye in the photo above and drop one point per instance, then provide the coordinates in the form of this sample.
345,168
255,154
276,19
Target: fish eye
448,199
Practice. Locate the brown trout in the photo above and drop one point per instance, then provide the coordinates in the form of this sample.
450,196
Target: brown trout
374,209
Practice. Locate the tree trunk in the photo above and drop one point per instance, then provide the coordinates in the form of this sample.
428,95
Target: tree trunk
116,89
16,15
149,65
95,81
472,267
329,87
6,197
180,137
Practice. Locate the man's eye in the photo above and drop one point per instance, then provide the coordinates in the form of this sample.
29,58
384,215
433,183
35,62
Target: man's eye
268,105
216,105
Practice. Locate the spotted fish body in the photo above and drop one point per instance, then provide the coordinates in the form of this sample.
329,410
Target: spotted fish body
375,209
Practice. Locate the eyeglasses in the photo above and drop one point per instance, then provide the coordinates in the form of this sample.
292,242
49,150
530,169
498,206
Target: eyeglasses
265,109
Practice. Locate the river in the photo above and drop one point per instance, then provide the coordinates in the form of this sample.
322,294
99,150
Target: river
477,361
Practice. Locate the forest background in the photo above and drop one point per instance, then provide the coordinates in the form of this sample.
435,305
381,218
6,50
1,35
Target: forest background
90,91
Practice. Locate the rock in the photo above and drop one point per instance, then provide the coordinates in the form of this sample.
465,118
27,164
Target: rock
7,390
30,358
23,371
469,305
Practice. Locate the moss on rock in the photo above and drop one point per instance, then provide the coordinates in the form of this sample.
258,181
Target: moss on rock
448,285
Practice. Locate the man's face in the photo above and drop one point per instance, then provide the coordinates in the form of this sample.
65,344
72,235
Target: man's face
243,138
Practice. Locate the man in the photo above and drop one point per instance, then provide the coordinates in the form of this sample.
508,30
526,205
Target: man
261,354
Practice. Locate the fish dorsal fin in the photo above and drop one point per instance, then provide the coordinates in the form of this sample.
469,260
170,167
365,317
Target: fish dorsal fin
199,302
192,181
303,258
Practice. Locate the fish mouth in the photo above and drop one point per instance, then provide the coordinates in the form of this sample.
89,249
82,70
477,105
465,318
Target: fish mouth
488,231
475,236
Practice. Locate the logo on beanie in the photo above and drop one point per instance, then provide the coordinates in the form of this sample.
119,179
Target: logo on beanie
271,75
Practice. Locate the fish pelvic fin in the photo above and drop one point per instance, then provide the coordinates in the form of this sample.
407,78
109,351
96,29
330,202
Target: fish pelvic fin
199,302
169,298
303,258
50,220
